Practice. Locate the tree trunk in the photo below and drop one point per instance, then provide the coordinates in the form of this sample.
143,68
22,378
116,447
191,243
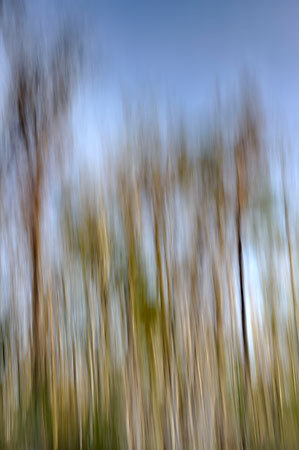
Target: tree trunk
290,254
242,300
241,275
36,274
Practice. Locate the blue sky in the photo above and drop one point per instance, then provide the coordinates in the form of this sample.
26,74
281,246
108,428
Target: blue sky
185,48
182,51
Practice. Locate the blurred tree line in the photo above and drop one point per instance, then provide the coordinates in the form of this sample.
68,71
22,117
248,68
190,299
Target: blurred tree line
146,332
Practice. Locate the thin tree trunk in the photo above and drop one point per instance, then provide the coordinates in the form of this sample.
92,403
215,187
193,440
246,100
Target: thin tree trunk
290,254
242,296
36,275
219,356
